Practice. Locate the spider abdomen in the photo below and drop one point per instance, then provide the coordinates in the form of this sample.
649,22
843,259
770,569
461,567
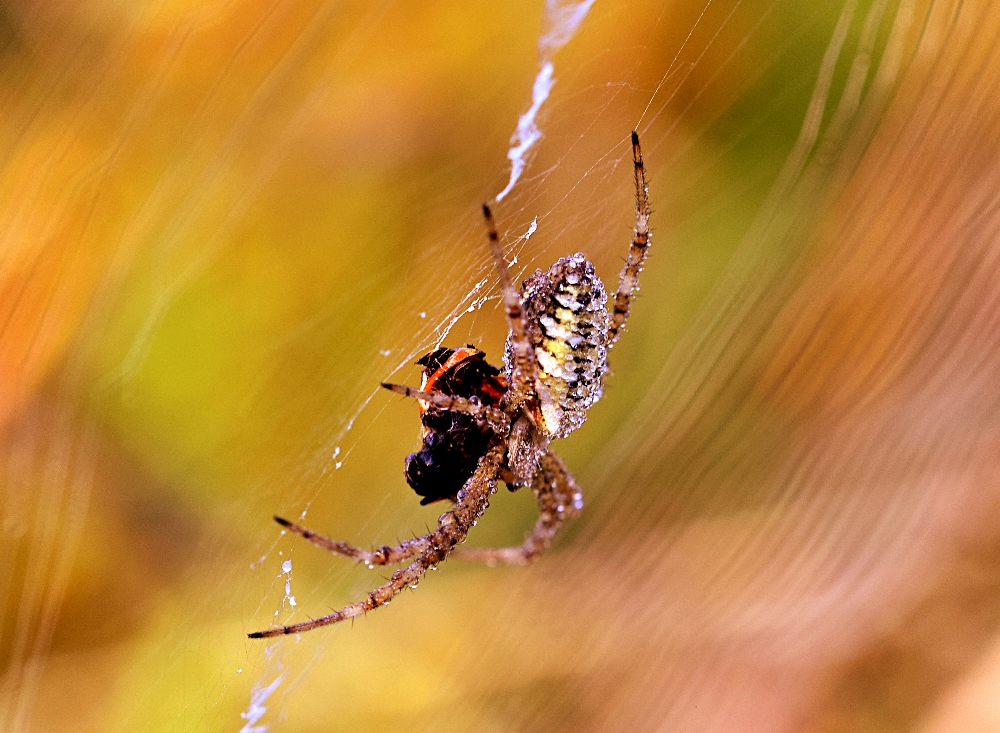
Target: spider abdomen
567,322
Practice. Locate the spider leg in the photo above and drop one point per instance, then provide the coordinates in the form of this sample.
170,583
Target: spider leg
628,281
493,415
559,499
453,528
523,375
384,555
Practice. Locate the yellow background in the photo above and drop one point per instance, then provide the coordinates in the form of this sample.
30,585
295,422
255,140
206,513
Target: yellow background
224,223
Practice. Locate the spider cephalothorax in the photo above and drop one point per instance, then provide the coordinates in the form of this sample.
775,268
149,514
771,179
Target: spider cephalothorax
481,426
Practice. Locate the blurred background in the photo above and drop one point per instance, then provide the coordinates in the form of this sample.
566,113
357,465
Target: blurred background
225,222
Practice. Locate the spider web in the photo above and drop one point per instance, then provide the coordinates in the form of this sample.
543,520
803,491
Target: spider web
333,163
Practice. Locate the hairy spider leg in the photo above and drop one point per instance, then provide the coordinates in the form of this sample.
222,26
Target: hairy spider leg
496,417
628,281
522,380
559,498
392,555
384,555
453,528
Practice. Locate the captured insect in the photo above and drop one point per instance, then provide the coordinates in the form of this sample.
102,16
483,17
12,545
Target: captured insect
483,424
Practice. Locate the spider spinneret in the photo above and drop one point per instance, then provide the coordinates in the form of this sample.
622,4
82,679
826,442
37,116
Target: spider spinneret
482,425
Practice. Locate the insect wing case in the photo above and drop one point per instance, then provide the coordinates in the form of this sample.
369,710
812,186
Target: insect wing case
453,442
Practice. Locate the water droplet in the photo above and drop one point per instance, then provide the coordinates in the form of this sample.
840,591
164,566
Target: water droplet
422,314
385,352
338,464
286,566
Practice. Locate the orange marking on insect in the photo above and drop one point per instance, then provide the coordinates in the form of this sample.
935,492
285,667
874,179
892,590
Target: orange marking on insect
457,357
495,387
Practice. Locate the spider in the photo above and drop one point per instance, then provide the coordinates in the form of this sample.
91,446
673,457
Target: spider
482,425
